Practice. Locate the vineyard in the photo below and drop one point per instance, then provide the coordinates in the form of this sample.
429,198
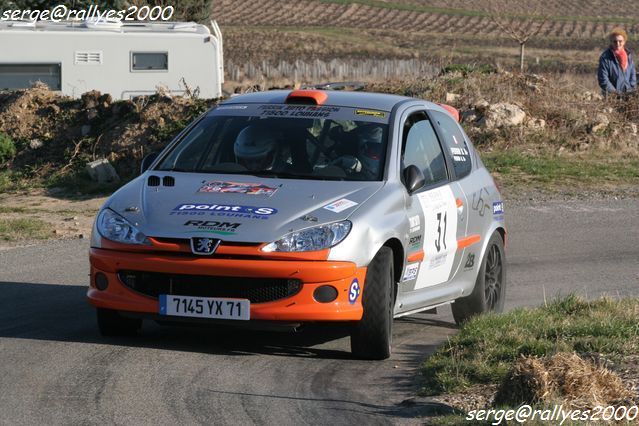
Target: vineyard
572,19
265,38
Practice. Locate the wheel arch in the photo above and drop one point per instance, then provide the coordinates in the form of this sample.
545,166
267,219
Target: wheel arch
398,259
502,233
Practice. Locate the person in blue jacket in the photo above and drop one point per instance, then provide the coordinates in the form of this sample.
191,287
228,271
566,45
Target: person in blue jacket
617,74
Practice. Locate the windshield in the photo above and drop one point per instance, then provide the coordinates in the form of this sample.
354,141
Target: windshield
287,141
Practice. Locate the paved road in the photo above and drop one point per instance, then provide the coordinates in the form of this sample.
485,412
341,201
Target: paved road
56,369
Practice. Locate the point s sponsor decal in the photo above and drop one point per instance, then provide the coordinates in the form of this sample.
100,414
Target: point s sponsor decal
340,205
353,292
213,226
498,207
227,210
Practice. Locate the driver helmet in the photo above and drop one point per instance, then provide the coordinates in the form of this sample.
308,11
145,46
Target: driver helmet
255,148
370,147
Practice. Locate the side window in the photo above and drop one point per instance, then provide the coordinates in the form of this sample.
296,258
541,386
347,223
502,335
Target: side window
455,142
421,148
22,76
149,61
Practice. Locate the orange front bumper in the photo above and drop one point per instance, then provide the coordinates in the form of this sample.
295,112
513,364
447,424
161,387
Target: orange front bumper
301,307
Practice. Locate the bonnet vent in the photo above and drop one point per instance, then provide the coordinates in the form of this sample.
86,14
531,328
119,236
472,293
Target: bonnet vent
168,181
153,181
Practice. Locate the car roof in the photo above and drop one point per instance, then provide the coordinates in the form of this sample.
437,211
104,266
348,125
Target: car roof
377,101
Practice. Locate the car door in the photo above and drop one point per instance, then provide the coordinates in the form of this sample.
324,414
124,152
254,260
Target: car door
436,215
477,198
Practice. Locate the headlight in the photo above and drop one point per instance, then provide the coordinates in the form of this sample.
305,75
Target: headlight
116,228
311,239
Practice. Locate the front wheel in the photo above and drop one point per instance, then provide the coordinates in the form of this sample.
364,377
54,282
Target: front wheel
490,287
372,337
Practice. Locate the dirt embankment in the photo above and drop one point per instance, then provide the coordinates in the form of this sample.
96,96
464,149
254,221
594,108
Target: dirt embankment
55,135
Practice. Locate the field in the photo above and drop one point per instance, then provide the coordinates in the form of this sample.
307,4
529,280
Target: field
435,32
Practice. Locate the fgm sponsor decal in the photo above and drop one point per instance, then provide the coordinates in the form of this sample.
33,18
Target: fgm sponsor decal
213,226
237,188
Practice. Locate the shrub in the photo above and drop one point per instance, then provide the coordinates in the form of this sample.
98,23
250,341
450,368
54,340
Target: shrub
7,148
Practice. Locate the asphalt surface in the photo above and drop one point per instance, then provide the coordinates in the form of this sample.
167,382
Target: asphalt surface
56,369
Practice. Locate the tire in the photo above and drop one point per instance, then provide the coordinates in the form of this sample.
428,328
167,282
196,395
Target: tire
111,323
489,292
372,337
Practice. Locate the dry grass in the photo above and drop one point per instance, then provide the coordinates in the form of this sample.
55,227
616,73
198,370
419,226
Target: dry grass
24,229
570,352
562,378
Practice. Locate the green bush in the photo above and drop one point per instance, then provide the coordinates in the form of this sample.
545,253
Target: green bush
7,148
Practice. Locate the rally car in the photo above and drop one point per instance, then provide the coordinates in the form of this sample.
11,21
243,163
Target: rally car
305,206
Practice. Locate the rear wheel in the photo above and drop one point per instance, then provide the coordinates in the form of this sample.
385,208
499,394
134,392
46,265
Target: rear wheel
111,323
372,337
490,287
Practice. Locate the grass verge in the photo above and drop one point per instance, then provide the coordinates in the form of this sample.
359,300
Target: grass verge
69,185
23,229
516,168
485,348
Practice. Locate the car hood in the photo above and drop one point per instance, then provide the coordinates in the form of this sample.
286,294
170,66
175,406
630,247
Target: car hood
235,208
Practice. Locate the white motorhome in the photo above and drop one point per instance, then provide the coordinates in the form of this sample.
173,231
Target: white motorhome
122,59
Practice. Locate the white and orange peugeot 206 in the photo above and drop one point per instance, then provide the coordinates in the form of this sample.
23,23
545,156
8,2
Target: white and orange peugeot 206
305,206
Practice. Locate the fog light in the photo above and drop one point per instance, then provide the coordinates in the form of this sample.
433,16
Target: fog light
325,293
101,281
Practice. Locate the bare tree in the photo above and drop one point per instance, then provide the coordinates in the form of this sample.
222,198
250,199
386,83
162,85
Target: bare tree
521,26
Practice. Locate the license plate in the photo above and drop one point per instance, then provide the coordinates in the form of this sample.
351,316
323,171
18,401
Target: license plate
205,307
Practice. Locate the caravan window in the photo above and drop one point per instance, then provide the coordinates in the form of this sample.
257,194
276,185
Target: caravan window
23,76
149,61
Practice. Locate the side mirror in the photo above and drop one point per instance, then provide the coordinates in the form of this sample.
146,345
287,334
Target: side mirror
413,178
147,161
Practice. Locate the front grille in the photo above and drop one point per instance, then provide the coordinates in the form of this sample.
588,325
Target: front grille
257,290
